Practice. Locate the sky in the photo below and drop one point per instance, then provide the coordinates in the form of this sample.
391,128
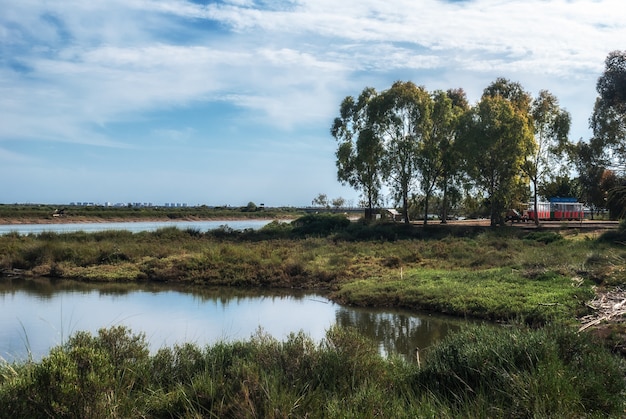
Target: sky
229,102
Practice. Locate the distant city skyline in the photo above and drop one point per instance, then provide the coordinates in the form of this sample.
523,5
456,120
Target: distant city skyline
229,102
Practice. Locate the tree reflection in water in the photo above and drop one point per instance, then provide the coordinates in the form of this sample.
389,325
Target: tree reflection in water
399,332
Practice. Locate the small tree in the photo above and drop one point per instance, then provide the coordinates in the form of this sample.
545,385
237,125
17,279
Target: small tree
338,202
588,161
551,128
608,120
360,151
320,200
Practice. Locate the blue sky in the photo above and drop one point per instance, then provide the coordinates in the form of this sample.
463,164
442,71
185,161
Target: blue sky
226,102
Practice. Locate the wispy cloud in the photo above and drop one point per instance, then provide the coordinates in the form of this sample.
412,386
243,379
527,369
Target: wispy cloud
71,71
90,63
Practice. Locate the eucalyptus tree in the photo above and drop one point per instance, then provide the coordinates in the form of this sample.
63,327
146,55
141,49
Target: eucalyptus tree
608,120
587,157
360,151
436,157
430,151
497,138
321,200
447,113
511,91
401,119
551,126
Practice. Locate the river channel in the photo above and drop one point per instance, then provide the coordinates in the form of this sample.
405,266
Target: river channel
134,227
36,315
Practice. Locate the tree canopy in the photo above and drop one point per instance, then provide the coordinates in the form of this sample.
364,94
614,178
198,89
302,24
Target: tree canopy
608,120
401,119
496,141
360,152
551,126
428,148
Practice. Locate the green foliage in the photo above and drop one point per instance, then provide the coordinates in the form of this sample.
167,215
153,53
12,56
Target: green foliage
401,118
484,371
251,207
319,225
528,373
551,126
544,237
608,120
86,377
497,138
360,151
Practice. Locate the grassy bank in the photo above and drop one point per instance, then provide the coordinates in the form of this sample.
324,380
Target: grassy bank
481,372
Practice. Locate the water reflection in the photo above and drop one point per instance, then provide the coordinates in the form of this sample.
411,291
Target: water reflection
38,314
399,332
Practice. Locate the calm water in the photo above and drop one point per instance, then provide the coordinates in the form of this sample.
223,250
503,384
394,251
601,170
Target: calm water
130,226
38,314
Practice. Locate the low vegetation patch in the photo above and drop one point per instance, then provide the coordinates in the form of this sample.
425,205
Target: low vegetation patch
494,294
480,372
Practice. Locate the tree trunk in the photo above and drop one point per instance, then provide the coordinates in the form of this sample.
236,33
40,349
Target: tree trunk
492,216
426,199
444,219
405,206
535,202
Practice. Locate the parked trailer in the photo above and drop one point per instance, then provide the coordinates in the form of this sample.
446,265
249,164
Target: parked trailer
557,210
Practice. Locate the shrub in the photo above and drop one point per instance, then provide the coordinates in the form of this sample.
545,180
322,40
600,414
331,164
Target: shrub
545,237
547,372
319,225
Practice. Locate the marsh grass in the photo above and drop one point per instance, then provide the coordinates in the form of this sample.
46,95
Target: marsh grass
479,372
541,278
496,274
494,294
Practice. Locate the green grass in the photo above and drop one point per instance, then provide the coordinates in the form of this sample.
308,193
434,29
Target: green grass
495,294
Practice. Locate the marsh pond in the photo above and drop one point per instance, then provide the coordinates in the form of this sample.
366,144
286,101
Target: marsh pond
37,314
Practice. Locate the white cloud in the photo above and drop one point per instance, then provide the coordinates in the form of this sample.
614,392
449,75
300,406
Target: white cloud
71,69
118,63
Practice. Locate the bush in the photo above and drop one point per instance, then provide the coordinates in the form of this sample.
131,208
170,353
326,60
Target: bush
79,379
479,372
615,236
545,237
319,225
546,372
